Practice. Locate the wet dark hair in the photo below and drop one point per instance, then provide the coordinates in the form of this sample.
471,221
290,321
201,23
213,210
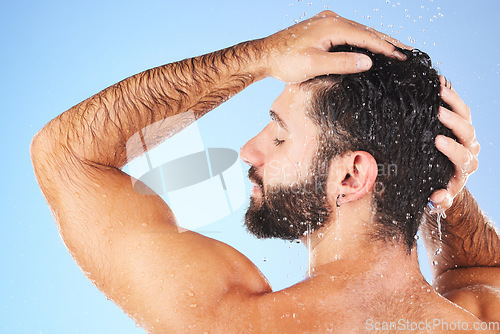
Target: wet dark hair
390,112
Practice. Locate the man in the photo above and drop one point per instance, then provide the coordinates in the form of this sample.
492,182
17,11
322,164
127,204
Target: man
173,282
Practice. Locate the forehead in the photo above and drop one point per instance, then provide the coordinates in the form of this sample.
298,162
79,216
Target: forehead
293,106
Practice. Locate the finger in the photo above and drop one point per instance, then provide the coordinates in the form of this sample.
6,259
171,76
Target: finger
460,127
457,182
338,62
450,96
383,36
462,158
369,40
345,32
441,199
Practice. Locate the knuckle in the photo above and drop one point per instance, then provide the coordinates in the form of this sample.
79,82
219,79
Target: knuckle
468,113
468,159
475,165
477,148
345,62
470,137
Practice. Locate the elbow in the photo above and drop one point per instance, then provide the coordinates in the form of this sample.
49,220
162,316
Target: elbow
43,155
38,148
37,155
35,148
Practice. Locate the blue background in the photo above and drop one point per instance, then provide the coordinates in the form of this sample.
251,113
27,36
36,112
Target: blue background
57,53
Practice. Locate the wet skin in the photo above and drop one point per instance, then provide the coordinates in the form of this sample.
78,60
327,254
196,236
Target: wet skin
174,281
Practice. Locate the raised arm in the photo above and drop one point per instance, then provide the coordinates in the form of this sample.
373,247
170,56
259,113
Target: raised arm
466,260
464,247
128,243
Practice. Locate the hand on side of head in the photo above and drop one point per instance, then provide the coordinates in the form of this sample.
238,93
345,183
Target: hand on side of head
463,153
300,52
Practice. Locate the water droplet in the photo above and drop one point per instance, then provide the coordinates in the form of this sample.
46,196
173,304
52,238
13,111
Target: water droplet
439,224
104,195
77,195
193,305
190,293
434,263
264,259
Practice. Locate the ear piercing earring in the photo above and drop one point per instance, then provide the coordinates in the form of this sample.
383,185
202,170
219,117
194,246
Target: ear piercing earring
337,200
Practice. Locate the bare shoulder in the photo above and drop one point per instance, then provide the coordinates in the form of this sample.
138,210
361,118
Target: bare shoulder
475,289
129,245
481,300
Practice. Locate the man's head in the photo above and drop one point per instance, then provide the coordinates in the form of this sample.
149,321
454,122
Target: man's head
390,113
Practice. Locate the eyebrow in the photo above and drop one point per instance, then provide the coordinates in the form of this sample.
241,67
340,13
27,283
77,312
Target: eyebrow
277,119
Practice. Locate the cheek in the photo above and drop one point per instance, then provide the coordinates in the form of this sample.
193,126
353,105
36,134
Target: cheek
291,165
281,171
301,156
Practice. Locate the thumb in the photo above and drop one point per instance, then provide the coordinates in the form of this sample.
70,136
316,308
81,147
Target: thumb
339,62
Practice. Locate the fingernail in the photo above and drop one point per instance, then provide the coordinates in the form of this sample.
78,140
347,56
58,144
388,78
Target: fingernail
398,54
363,62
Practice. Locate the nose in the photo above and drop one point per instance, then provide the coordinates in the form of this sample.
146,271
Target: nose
251,154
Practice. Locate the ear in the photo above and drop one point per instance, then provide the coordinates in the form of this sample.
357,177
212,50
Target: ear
360,178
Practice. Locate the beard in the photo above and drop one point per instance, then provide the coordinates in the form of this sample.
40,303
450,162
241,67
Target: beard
289,212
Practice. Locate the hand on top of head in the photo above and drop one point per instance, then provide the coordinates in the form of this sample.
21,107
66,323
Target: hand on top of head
300,52
463,153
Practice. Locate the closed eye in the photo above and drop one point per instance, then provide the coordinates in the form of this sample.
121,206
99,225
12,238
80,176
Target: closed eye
278,142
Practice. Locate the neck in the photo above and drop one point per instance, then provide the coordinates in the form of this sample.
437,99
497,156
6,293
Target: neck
346,242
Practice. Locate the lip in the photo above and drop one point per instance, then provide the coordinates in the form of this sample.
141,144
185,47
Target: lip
256,189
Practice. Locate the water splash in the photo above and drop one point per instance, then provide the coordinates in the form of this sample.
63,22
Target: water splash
439,216
308,239
440,234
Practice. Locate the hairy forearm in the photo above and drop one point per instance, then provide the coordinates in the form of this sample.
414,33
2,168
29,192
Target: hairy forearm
468,237
99,130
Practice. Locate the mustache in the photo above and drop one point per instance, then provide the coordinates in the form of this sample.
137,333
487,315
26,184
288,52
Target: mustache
254,176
